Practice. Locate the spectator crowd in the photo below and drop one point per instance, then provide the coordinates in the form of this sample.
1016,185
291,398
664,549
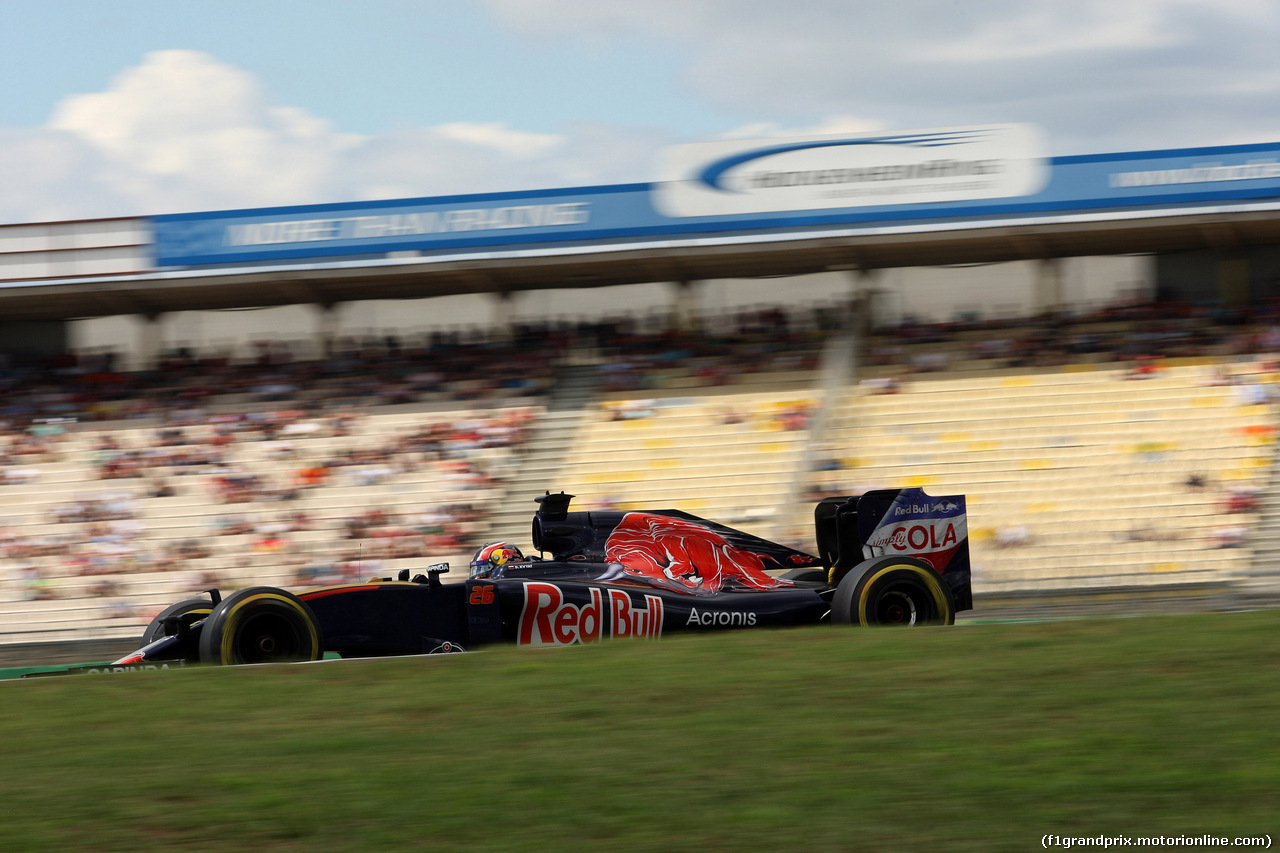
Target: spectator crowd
198,427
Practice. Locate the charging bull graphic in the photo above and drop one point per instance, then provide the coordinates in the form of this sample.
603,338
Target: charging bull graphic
683,556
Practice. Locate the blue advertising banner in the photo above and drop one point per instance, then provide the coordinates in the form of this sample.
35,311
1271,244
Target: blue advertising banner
365,228
1142,183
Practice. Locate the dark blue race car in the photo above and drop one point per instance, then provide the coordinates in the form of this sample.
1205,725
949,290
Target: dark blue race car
887,557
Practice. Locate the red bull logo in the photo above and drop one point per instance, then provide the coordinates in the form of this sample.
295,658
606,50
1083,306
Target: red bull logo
942,507
547,619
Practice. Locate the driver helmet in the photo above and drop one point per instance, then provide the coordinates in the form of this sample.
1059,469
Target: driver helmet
492,556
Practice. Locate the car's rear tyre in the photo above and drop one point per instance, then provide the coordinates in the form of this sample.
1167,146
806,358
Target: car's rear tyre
893,591
261,624
190,610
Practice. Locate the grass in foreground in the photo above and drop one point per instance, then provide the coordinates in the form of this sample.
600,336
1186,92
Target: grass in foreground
981,737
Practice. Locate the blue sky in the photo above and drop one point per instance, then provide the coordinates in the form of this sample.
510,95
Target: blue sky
138,106
369,67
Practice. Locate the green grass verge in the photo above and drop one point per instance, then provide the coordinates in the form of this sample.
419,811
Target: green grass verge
979,737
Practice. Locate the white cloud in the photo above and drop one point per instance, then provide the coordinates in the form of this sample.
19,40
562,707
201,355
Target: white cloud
498,136
423,162
51,175
1099,75
829,126
184,126
183,131
1042,32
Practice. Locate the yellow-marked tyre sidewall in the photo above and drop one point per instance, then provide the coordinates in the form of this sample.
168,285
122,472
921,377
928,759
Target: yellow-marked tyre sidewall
221,635
237,613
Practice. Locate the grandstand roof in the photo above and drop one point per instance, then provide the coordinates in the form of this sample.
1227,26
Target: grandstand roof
160,292
1221,198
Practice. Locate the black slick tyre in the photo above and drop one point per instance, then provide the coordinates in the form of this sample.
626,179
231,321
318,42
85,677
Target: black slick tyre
189,610
893,591
261,624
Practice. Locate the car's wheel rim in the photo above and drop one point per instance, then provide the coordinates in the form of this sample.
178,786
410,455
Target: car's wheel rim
897,607
268,637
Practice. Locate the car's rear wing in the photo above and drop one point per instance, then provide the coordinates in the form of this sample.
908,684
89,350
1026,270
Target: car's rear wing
897,522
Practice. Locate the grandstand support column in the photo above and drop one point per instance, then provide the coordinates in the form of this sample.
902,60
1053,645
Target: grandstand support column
150,340
866,299
684,306
1233,280
837,373
1048,286
327,325
500,304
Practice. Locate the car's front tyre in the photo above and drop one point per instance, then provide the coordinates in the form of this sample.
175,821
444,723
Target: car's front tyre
261,624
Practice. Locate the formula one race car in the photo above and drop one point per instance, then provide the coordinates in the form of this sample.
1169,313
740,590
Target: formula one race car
897,557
